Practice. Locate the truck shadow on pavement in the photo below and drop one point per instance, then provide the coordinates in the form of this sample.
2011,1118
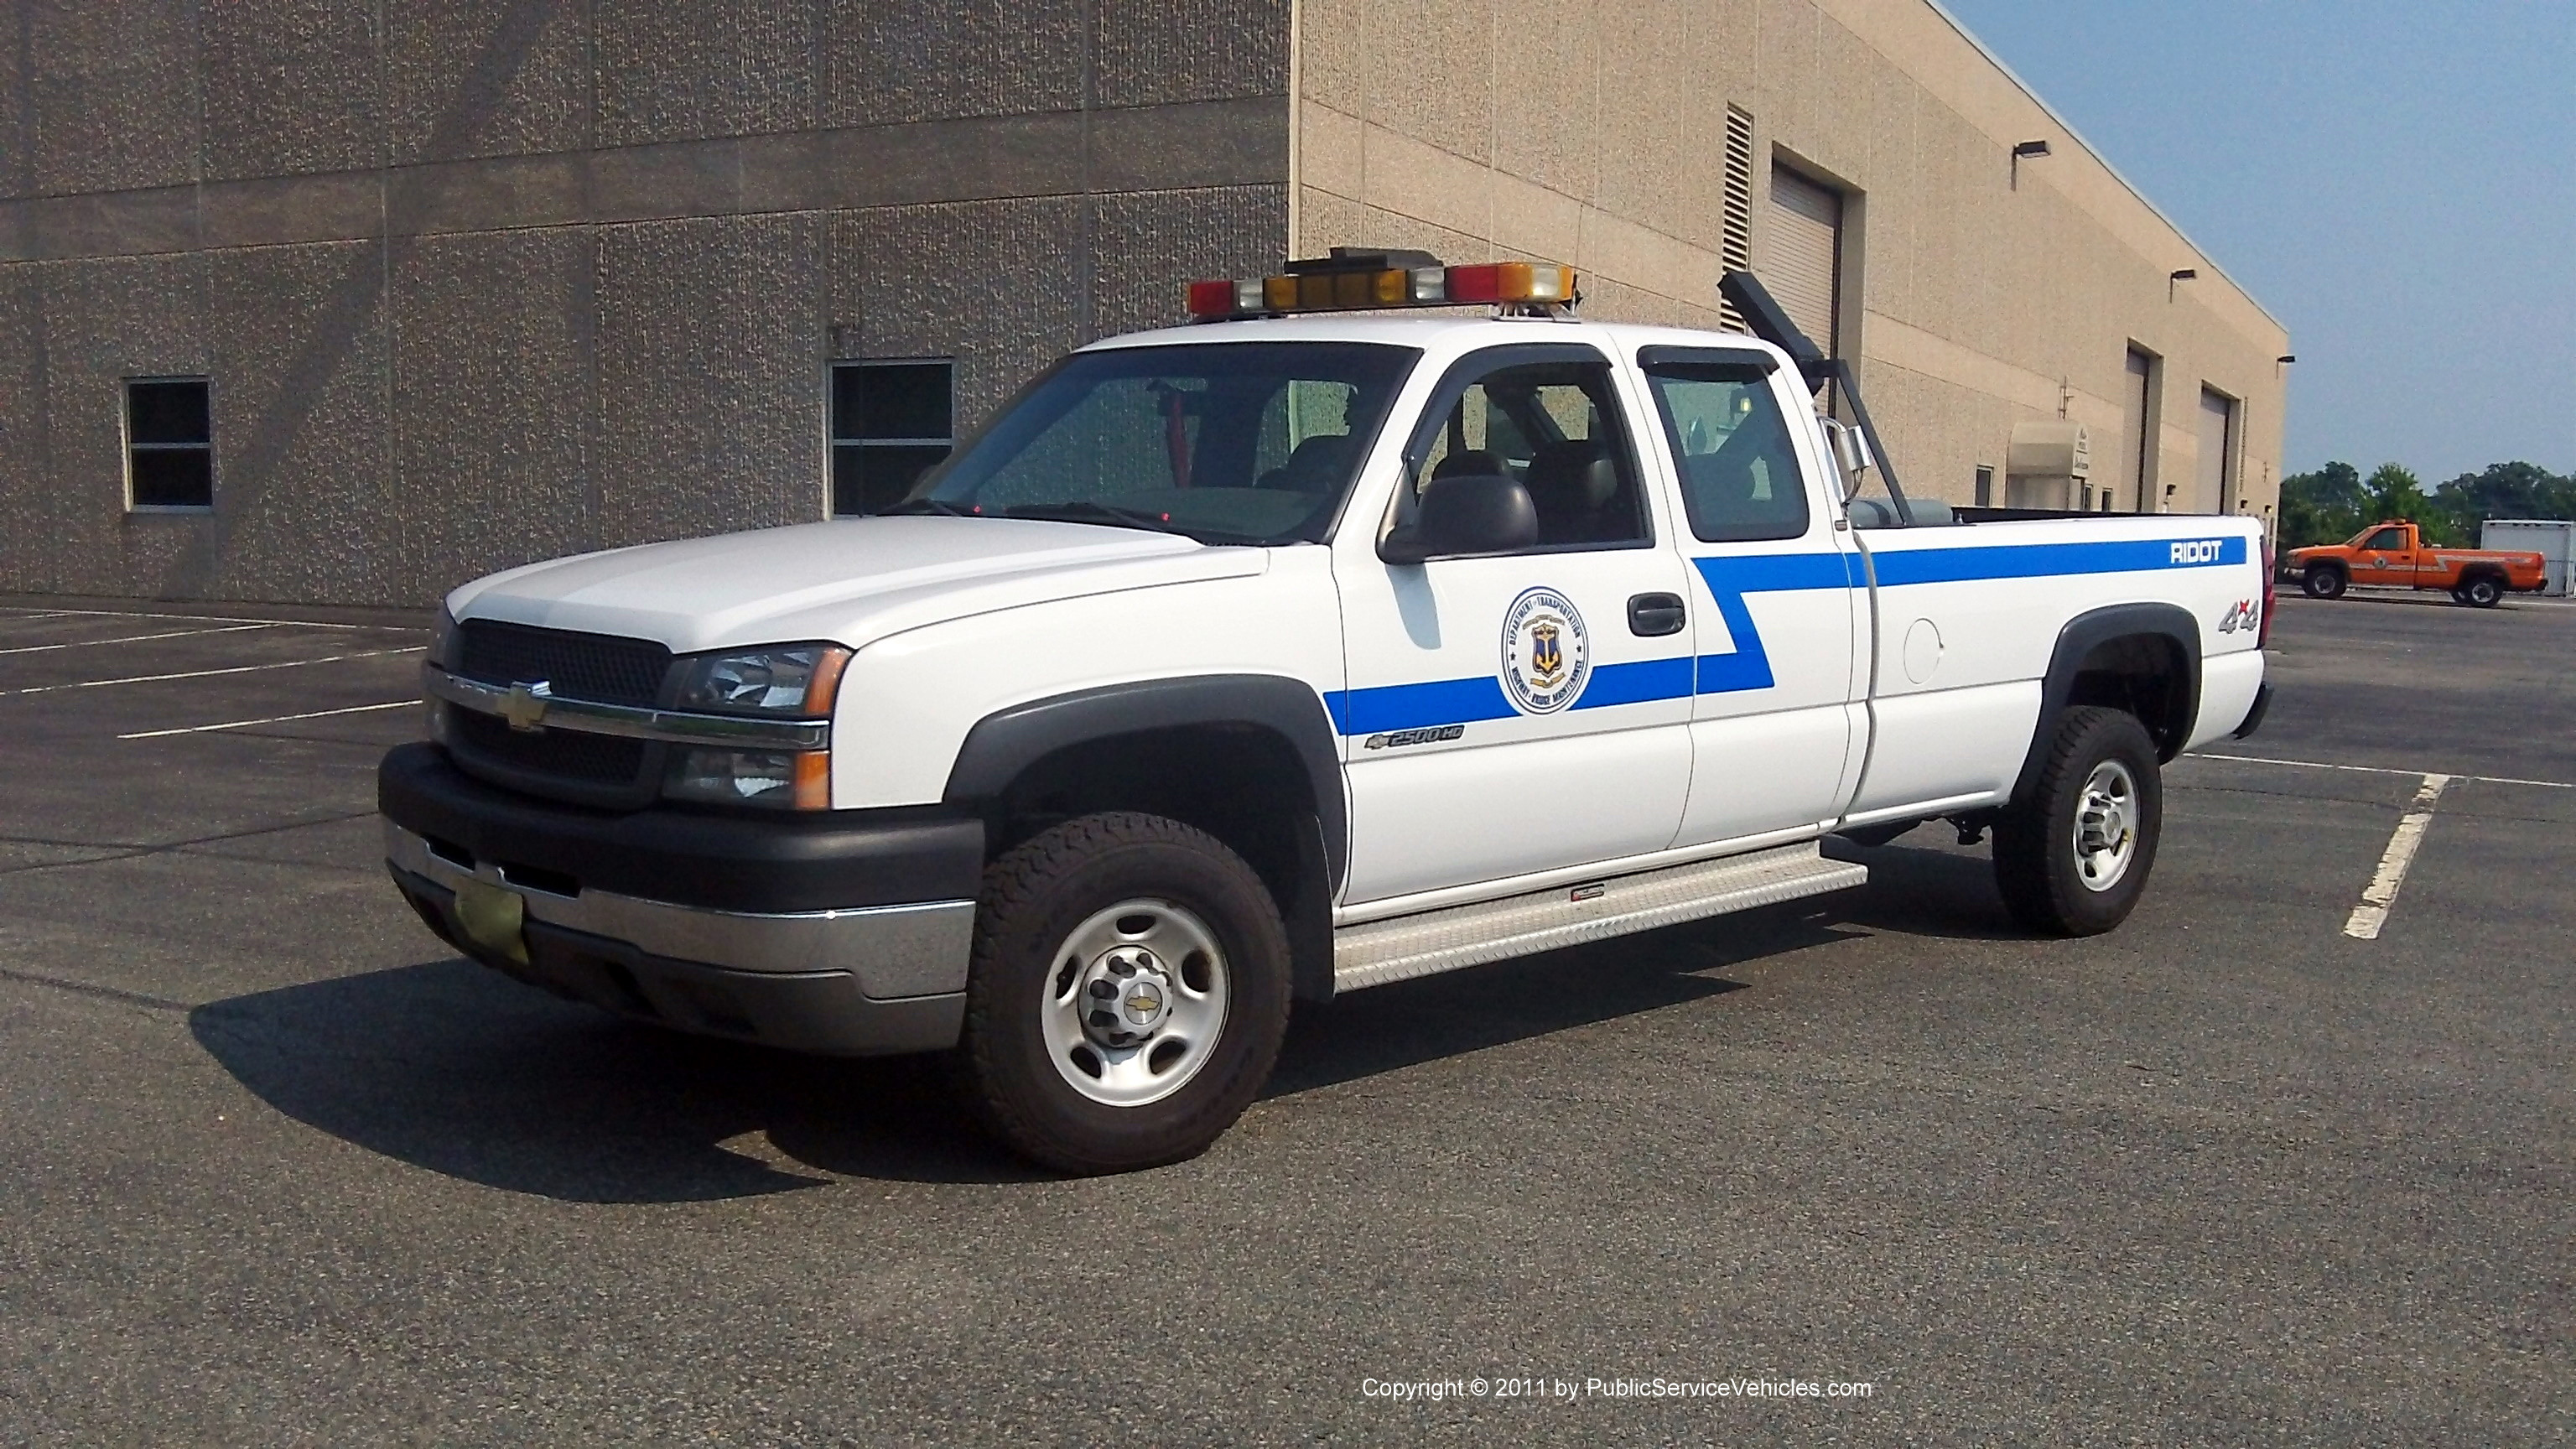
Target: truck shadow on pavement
1923,890
450,1067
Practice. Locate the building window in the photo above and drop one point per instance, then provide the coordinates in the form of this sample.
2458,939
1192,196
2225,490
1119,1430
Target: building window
169,444
890,424
1985,487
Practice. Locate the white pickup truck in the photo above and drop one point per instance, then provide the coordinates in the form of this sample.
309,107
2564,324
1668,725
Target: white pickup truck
1269,658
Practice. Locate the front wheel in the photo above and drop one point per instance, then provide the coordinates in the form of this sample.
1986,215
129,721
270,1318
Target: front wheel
2324,581
2482,592
2073,857
1127,995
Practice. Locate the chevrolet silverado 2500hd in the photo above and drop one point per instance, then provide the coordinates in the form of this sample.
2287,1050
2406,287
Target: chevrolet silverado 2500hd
1281,656
2397,554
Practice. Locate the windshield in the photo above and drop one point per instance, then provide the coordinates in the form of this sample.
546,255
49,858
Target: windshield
1227,442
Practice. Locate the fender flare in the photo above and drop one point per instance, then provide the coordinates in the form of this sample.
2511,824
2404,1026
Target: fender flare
1006,742
2090,630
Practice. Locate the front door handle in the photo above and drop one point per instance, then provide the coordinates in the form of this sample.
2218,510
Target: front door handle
1650,615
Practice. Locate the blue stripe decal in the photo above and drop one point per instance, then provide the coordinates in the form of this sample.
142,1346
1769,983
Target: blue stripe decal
1638,683
1418,706
2049,560
1729,579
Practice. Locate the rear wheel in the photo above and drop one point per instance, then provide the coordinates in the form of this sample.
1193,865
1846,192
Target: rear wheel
2323,581
2482,592
2073,858
1127,996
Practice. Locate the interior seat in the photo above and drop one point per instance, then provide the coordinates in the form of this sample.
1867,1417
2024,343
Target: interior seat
1576,489
1314,466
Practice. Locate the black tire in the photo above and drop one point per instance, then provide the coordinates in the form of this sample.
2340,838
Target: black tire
1036,899
2323,581
2043,876
2483,591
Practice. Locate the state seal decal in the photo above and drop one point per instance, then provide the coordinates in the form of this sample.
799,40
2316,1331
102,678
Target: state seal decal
1547,654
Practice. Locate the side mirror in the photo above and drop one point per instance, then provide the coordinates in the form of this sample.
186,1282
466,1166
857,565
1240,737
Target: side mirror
1469,513
1850,448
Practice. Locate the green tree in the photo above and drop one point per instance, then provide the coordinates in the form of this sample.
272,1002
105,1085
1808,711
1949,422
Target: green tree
2503,490
2393,491
2321,507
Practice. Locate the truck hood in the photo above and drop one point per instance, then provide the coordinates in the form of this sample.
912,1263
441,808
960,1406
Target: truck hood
851,581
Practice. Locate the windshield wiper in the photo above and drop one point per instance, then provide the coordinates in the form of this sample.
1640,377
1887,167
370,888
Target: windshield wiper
939,506
1083,510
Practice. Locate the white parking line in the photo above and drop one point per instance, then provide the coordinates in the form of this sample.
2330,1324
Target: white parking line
2381,894
2380,770
134,638
243,724
203,673
14,617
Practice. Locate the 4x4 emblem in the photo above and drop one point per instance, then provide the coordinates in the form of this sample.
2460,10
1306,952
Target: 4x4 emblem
525,705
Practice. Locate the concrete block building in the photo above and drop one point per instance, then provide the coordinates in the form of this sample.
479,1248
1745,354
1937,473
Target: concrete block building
339,302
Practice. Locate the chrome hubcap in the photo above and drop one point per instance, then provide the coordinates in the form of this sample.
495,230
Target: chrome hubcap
2106,826
1135,1002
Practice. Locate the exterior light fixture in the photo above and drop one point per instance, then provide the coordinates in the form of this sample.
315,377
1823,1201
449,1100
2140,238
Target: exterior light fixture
2285,358
2025,150
2183,274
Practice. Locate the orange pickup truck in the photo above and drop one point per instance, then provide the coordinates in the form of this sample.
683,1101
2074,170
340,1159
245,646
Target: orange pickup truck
2396,554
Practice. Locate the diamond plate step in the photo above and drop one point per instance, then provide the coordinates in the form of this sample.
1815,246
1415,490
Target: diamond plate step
1445,940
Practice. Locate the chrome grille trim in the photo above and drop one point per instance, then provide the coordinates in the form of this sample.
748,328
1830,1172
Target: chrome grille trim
668,726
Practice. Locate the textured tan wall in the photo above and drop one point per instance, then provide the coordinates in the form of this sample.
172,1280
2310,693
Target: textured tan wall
1593,133
484,281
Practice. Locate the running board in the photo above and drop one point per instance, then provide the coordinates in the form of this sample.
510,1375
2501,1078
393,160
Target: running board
1434,941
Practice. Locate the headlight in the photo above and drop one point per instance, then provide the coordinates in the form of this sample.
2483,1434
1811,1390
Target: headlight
785,780
800,680
795,679
442,640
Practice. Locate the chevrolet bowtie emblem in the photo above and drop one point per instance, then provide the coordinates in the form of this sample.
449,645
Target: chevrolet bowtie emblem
525,705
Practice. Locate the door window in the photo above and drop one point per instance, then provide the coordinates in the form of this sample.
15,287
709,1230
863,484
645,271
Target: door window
2387,540
1553,427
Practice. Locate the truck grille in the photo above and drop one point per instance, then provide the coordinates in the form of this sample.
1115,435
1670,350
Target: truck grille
567,764
598,667
557,753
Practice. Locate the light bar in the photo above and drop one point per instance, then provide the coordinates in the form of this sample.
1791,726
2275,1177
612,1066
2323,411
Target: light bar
1353,280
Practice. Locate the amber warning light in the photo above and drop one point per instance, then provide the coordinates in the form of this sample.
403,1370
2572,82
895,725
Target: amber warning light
1351,279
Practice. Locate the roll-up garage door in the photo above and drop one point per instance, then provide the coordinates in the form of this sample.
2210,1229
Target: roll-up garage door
1798,265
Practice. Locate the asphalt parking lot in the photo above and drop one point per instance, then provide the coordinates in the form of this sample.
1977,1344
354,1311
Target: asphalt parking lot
275,1167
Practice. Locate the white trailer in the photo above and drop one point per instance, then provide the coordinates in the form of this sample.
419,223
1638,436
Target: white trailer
2554,539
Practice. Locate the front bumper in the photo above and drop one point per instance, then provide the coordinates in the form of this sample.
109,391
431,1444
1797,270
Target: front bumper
781,933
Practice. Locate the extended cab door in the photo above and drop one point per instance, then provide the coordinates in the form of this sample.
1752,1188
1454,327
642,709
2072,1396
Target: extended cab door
1777,726
1524,713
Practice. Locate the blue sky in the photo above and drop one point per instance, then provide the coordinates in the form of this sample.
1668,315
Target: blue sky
2395,182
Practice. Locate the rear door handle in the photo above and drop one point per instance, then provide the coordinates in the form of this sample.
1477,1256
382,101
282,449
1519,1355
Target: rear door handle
1650,615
